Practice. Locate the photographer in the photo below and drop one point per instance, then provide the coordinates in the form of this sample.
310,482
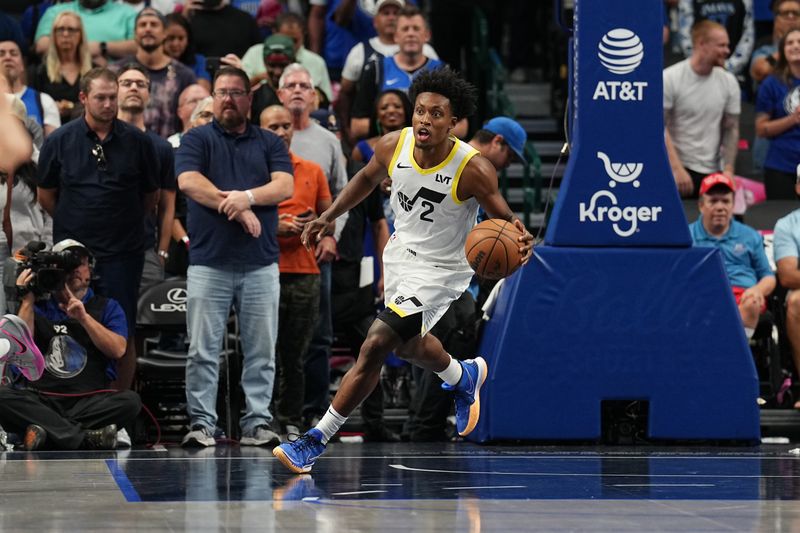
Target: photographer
81,335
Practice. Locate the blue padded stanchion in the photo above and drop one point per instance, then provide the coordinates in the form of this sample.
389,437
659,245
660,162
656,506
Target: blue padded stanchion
577,326
617,305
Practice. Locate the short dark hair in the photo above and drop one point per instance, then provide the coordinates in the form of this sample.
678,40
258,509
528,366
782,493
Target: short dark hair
232,71
776,4
290,17
404,101
133,66
484,136
446,82
409,11
96,74
188,57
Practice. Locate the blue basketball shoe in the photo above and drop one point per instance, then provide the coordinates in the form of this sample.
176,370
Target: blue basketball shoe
467,394
299,456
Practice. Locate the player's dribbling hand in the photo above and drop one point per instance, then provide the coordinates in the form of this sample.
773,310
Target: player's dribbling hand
527,241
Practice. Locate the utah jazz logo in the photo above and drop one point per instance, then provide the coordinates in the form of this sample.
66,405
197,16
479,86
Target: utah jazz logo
427,200
400,299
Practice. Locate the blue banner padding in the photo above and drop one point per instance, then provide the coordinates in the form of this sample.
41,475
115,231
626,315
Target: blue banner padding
124,484
579,325
618,188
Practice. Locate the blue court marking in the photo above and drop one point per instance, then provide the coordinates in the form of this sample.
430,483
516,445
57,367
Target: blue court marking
124,484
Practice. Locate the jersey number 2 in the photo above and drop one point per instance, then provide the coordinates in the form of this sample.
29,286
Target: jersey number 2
428,210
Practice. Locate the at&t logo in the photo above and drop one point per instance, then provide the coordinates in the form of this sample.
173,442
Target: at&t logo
621,52
603,206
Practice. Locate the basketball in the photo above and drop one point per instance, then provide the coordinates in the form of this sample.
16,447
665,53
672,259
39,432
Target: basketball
492,248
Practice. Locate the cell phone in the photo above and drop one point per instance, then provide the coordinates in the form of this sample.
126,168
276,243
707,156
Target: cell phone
305,213
212,65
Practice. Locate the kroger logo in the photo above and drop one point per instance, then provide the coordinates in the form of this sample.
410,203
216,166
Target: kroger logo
603,206
620,51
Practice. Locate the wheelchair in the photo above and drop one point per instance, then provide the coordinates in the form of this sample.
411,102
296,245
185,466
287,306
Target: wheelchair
772,355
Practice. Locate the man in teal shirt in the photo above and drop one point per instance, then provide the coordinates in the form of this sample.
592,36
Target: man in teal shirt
109,27
742,248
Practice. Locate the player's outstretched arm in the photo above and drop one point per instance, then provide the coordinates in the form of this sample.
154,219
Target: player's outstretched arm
355,191
479,179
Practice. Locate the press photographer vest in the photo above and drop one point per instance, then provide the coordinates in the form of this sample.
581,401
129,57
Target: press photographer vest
93,376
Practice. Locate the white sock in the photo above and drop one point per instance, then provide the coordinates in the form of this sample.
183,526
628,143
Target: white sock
749,332
452,374
330,424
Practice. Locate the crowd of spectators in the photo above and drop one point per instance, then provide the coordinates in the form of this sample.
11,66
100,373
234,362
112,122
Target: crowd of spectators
124,98
196,138
705,95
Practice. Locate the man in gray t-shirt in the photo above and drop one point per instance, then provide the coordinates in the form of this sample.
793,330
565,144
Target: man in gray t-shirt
701,110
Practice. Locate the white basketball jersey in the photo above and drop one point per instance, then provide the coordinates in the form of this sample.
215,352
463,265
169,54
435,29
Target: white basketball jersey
430,221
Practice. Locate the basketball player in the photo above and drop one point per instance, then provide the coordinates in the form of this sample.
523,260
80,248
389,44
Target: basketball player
438,184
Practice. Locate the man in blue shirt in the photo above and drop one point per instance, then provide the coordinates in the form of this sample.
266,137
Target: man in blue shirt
233,175
97,179
786,250
742,247
83,335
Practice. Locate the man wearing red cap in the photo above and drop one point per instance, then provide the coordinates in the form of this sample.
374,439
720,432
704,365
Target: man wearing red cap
742,248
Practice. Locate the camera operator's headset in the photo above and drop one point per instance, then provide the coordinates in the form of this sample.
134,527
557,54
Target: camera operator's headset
72,244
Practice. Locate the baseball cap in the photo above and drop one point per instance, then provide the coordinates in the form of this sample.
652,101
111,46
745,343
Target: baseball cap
512,133
151,12
278,44
380,3
717,178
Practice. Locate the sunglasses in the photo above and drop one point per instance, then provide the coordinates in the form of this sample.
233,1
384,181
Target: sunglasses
100,157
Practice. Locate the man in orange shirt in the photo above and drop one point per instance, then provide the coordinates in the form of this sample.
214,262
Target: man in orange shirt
300,278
